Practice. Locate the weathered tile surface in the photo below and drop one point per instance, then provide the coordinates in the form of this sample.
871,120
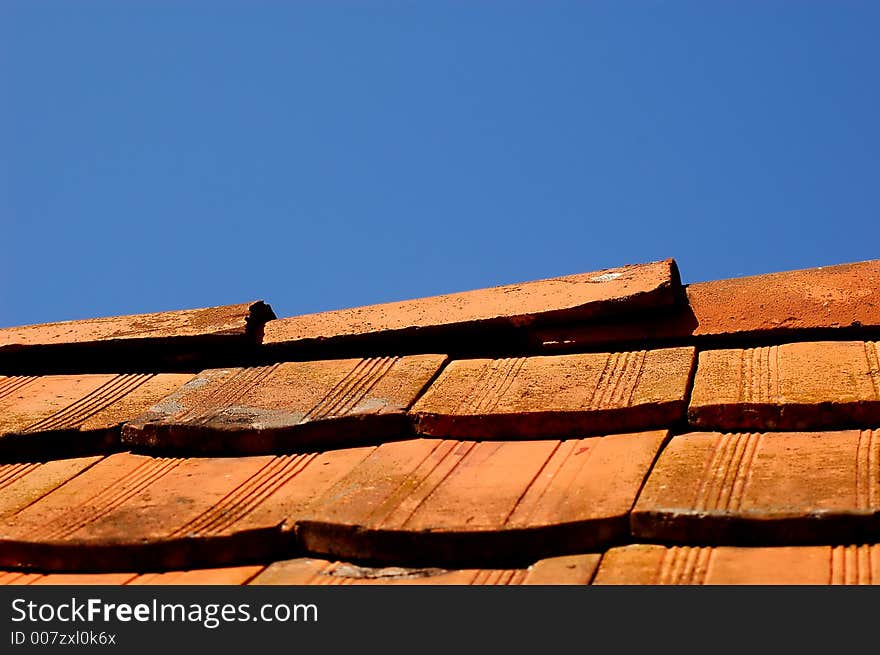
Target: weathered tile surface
584,296
556,396
287,405
464,501
24,483
233,575
51,416
793,386
227,320
566,570
725,565
771,488
818,300
137,512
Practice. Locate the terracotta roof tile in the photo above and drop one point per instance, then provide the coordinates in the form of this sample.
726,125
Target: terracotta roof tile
770,488
794,386
557,396
163,513
166,337
292,404
724,565
60,415
485,314
23,483
233,575
566,570
452,501
342,438
841,299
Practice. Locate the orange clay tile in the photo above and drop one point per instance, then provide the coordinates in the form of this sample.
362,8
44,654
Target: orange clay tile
294,404
566,570
24,483
789,387
411,499
132,512
57,415
556,396
452,502
771,488
725,565
223,576
228,320
585,296
819,300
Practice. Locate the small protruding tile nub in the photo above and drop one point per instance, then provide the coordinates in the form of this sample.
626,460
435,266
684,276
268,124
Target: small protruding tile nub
60,415
795,386
556,396
771,488
282,406
726,565
566,570
465,501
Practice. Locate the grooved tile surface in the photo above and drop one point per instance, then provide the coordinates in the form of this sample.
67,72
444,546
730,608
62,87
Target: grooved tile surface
455,501
132,511
234,575
566,570
612,291
752,488
556,396
23,483
725,565
793,386
55,415
286,405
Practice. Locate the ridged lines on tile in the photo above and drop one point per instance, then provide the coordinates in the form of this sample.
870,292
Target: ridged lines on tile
425,479
76,413
499,577
247,496
618,381
724,481
868,470
494,381
11,473
873,357
352,388
10,385
108,499
553,472
685,565
759,374
228,393
853,565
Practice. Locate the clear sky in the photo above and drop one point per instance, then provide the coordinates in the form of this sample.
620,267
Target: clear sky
162,155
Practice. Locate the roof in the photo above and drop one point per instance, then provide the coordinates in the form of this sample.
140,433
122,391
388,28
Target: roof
613,427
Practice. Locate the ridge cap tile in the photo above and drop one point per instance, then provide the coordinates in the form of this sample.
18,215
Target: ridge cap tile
514,306
843,298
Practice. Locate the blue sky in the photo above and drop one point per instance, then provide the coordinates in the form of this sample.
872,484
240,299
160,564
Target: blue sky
161,155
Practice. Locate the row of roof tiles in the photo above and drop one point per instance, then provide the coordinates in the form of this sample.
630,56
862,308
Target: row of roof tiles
443,501
626,565
629,304
323,403
313,453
